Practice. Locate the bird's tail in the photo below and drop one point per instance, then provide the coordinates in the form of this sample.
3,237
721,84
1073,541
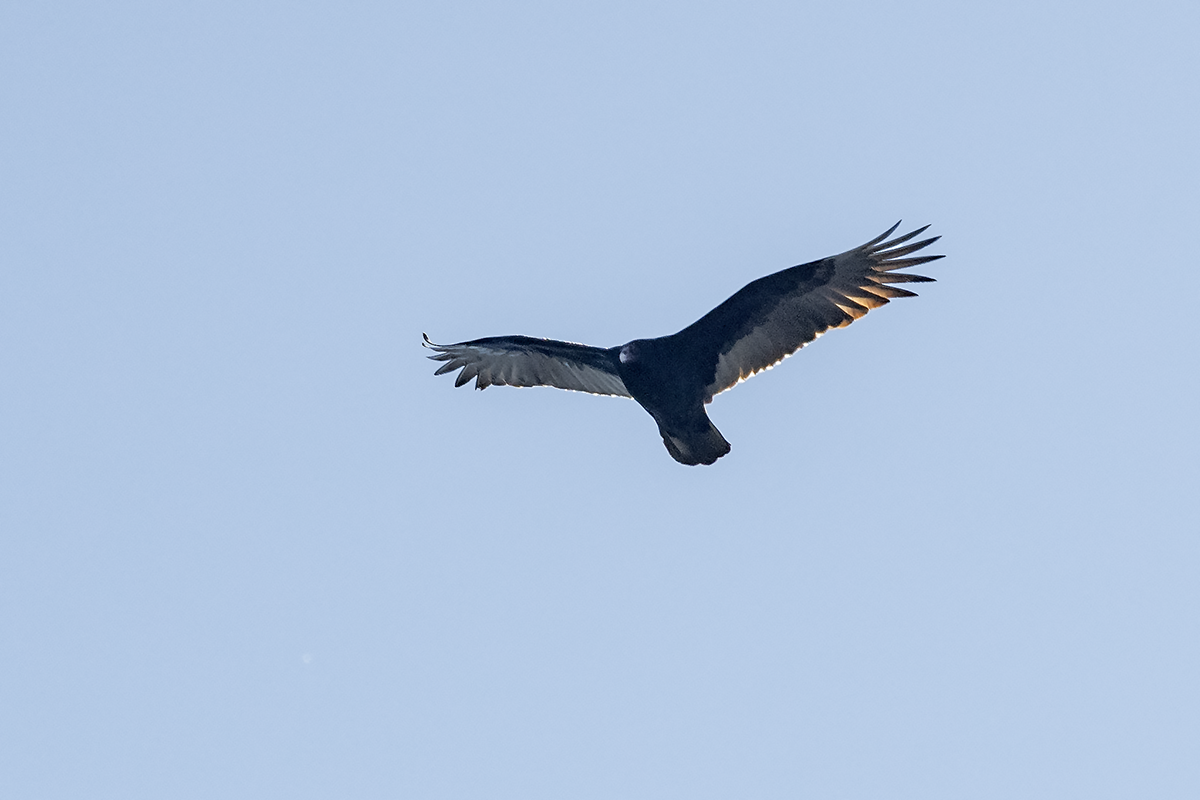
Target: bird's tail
698,443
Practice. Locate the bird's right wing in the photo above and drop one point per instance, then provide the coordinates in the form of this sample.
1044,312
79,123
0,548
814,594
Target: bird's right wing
525,361
773,317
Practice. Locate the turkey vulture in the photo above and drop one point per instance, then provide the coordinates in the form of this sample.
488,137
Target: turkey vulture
673,377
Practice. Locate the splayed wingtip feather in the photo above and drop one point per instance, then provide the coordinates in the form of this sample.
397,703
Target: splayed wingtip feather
883,235
902,239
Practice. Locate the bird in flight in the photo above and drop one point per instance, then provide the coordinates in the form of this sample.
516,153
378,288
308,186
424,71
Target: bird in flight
674,377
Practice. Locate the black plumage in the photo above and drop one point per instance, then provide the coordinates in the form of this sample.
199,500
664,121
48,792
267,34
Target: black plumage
674,377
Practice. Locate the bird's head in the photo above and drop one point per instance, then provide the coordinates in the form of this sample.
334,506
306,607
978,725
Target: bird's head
630,353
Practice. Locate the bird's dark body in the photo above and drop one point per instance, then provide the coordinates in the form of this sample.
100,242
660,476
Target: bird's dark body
674,377
667,380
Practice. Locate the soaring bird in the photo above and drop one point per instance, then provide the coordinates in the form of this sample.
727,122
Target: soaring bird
674,377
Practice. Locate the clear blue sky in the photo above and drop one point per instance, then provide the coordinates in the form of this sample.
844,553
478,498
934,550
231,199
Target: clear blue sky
252,548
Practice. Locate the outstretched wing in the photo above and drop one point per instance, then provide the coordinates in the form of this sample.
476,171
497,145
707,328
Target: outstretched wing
525,361
775,316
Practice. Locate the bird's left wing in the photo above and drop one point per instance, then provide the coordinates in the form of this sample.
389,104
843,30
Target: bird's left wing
525,361
773,317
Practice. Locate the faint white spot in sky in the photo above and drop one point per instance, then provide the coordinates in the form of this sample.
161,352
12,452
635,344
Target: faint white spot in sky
306,658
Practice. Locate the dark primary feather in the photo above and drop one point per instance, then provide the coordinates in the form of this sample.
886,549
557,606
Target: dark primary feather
773,317
525,361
